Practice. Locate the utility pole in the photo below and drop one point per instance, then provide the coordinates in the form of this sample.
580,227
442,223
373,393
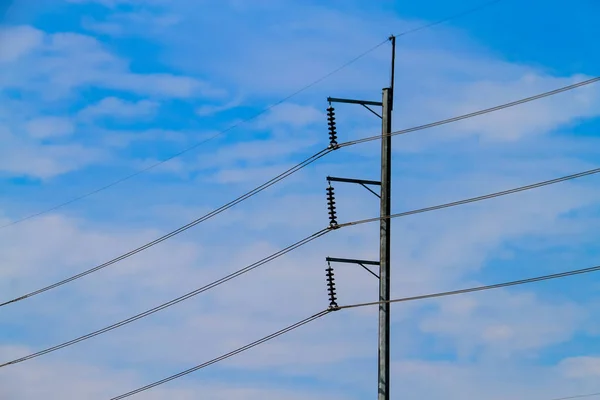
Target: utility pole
383,367
385,235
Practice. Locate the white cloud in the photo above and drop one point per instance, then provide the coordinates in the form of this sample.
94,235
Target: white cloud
417,379
535,118
123,138
504,324
581,367
209,109
48,161
440,76
277,294
116,3
293,115
70,61
16,42
115,108
434,251
116,24
49,127
255,153
248,176
64,379
102,27
159,85
19,157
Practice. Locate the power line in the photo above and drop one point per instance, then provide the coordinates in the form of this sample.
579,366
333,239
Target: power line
286,250
177,231
434,295
251,118
284,175
193,147
480,198
580,396
177,300
325,312
449,18
481,288
477,113
225,356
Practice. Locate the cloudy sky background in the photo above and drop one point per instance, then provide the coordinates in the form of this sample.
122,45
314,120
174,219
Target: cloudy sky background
95,90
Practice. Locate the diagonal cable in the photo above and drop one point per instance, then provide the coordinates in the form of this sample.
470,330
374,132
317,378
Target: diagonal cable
476,113
174,301
480,288
449,18
289,172
225,356
478,198
579,396
251,118
290,248
177,231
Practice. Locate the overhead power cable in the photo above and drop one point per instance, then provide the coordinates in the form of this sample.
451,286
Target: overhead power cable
177,231
478,198
188,149
480,288
476,113
284,175
282,332
285,251
325,312
579,396
177,300
322,314
251,118
225,356
450,17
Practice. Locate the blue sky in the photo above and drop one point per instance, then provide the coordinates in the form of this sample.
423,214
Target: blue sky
94,90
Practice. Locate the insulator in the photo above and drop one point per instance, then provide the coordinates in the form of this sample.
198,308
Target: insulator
331,207
331,287
333,144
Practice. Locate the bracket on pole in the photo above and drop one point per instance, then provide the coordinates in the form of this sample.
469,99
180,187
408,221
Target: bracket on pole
351,101
362,182
362,263
370,109
364,103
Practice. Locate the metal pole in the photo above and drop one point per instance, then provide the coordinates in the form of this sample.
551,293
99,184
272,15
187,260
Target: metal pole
384,248
384,252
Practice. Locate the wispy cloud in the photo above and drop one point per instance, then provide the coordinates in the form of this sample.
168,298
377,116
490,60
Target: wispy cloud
115,108
18,42
581,367
20,158
520,342
210,109
68,61
48,127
